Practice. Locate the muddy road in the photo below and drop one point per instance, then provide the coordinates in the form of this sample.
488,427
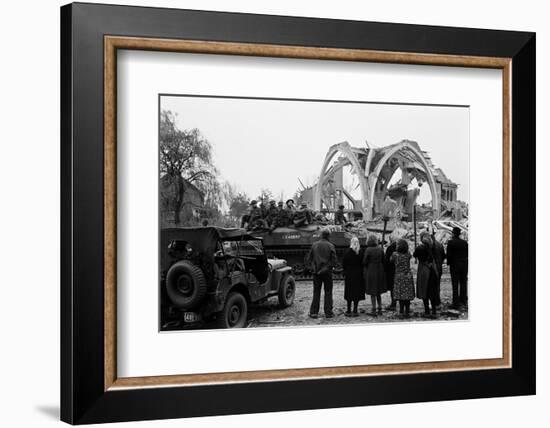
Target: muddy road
269,314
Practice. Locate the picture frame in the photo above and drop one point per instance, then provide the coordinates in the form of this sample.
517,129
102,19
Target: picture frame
91,391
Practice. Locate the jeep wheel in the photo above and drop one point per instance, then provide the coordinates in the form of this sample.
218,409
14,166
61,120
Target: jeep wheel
287,290
235,311
185,285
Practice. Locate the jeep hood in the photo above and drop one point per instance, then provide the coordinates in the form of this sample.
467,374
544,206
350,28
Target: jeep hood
276,263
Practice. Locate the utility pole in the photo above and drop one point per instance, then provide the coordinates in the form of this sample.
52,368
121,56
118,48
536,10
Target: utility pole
414,227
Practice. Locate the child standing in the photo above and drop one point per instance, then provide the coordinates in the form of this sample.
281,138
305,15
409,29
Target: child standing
403,286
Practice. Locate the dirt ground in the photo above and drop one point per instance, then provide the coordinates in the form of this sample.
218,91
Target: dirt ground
269,314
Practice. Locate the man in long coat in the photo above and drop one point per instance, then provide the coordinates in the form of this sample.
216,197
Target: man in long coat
426,275
457,259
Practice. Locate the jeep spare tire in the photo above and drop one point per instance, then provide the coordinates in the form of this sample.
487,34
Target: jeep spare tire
185,285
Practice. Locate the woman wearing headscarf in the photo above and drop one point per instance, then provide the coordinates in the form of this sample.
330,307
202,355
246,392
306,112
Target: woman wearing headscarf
373,273
403,288
354,288
427,275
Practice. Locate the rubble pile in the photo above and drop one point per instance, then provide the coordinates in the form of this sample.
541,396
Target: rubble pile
395,229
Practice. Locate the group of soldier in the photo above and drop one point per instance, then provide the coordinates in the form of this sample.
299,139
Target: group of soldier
268,217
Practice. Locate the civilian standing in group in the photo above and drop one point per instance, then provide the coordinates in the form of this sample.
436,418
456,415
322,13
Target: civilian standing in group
403,287
354,287
439,258
374,275
457,259
426,277
322,259
389,267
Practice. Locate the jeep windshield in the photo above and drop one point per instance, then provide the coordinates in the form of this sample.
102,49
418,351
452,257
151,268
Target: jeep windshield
247,248
243,249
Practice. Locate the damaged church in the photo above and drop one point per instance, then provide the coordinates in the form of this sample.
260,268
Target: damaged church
399,170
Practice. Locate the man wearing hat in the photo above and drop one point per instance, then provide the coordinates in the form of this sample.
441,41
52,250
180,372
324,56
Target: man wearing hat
290,205
457,259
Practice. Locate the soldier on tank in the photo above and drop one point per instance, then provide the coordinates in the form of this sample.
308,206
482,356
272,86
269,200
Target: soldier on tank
302,216
290,209
271,216
272,212
263,209
340,217
254,212
245,219
321,218
283,218
255,218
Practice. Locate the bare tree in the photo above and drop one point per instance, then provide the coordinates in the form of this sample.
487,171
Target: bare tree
265,195
237,203
185,157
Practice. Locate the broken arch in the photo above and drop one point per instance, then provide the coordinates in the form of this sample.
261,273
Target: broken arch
374,169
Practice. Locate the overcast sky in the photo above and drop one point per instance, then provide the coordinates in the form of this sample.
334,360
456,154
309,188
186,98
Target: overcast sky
271,143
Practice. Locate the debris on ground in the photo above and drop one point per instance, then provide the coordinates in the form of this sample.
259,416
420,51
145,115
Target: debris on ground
269,314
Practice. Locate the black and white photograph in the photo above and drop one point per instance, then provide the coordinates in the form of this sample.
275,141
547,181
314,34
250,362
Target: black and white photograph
295,212
268,214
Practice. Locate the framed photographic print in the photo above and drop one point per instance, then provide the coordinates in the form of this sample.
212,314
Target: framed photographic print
278,213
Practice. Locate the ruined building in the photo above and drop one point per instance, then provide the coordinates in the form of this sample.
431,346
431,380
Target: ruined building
193,202
374,169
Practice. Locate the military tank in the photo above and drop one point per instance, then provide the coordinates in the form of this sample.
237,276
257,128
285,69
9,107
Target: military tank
293,244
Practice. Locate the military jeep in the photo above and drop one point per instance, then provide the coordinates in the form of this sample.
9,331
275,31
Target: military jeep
214,274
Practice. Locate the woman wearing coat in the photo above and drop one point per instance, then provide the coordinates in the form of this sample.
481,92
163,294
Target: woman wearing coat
439,256
427,275
389,267
373,273
403,288
354,288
